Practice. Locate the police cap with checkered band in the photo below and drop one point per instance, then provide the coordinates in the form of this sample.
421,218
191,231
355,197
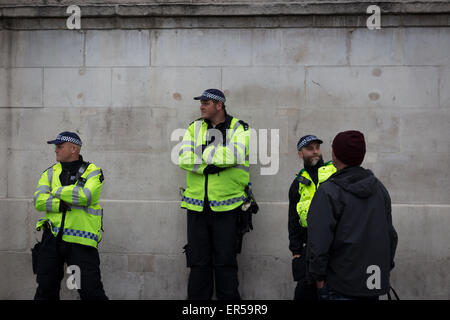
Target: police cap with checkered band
66,136
211,94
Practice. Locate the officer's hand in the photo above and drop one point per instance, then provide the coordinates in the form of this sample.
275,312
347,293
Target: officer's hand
210,169
63,206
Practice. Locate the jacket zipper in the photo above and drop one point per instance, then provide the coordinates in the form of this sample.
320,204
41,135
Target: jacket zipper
206,191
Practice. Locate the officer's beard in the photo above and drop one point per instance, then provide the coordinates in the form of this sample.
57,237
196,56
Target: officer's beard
311,162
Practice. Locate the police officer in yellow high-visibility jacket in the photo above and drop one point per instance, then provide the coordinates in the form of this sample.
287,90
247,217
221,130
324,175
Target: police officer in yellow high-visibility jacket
301,193
215,154
68,192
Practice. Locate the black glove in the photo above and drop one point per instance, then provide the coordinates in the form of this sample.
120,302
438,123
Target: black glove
210,169
63,206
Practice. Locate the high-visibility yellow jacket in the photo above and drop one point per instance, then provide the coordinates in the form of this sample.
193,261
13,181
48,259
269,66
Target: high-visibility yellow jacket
225,189
83,222
307,191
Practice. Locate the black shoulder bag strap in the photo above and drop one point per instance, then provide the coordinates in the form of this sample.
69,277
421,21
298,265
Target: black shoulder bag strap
393,291
81,181
390,287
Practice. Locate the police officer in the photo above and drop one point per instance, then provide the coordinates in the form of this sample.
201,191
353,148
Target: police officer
68,192
301,192
214,152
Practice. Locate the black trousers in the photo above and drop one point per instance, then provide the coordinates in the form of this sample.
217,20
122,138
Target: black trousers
306,287
52,254
305,290
211,254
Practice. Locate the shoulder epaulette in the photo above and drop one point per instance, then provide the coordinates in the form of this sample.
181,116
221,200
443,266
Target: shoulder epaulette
245,124
195,120
299,173
328,163
303,180
49,167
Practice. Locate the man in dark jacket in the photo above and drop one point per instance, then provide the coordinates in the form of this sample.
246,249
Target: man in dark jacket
351,239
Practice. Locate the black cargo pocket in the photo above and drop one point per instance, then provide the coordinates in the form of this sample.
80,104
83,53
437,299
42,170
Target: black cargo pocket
34,256
186,251
299,268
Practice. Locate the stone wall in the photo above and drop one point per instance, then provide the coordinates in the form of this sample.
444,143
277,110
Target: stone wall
125,83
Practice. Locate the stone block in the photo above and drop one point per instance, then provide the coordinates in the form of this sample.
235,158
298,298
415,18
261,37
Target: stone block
21,87
18,235
202,47
421,279
267,47
117,48
28,133
260,119
23,174
119,283
17,280
264,277
264,87
422,255
280,182
135,227
269,236
46,48
5,50
427,46
167,280
381,127
159,87
309,46
428,221
142,180
377,47
77,87
425,129
411,179
444,93
4,174
372,87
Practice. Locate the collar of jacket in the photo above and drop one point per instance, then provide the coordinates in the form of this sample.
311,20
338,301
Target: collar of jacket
72,164
348,170
313,169
227,122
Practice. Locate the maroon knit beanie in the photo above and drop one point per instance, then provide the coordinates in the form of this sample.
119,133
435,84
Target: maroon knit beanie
349,147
